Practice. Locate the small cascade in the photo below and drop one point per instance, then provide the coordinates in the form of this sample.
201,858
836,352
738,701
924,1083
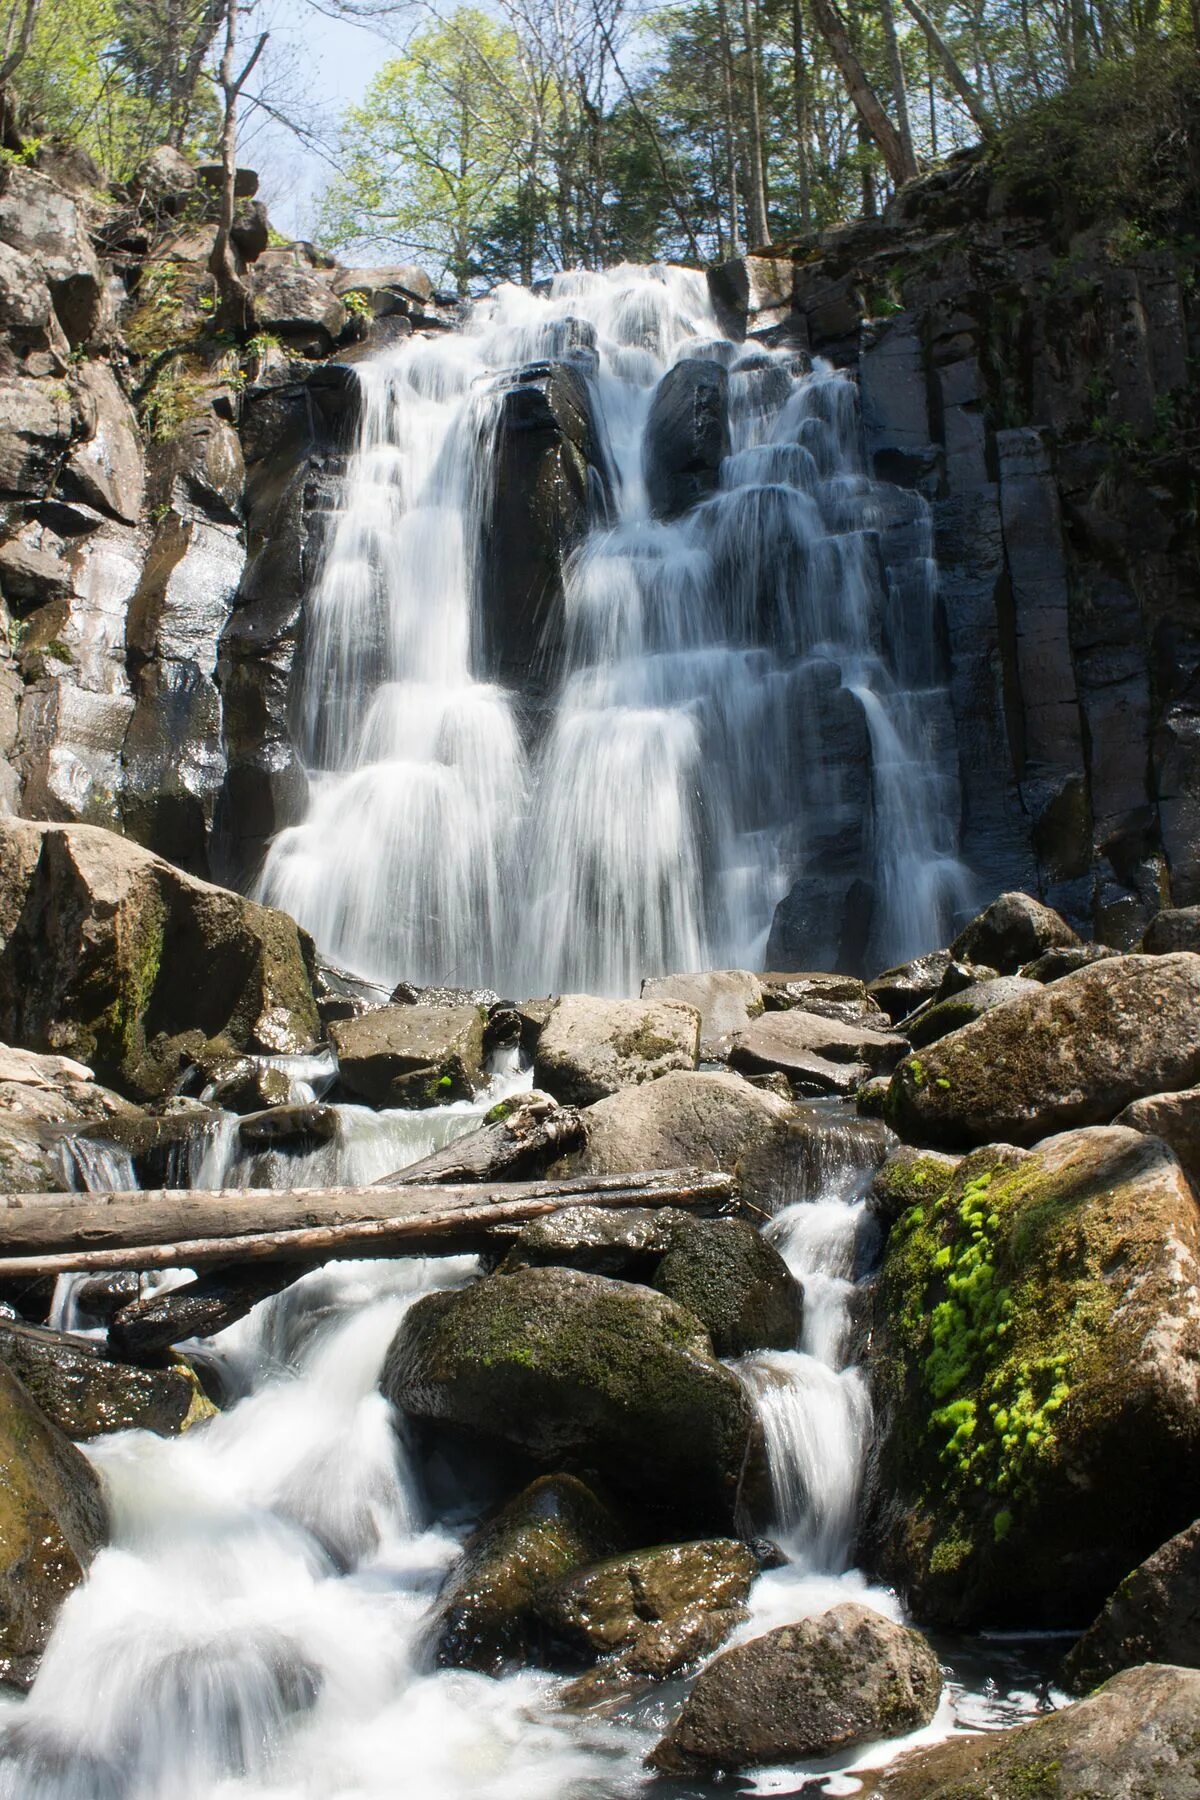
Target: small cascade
747,702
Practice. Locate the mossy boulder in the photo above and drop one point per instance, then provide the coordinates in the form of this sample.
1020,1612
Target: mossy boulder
807,1690
411,1055
736,1284
1036,1373
52,1522
909,1178
649,1613
595,1376
627,1242
1135,1739
1153,1616
937,1018
1013,930
590,1048
1175,928
487,1612
85,1393
1070,1053
122,961
688,1119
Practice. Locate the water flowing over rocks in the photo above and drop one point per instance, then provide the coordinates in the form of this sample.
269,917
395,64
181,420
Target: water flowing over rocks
1073,1052
807,1690
1036,1368
597,1374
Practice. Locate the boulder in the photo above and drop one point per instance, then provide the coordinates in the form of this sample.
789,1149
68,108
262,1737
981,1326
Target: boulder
43,221
589,1048
686,436
389,289
909,1178
726,999
25,306
1153,1617
937,1018
85,1393
113,956
39,423
1175,928
486,1614
830,996
818,1055
39,1095
1176,1119
52,1522
165,178
1052,965
754,294
688,1119
581,1372
106,469
628,1242
736,1284
1133,1740
813,1689
652,1612
1070,1053
1012,930
899,991
1036,1372
294,300
411,1055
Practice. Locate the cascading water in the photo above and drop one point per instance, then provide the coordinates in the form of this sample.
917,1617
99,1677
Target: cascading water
746,697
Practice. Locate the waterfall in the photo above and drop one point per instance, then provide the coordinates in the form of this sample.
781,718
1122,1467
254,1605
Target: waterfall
743,699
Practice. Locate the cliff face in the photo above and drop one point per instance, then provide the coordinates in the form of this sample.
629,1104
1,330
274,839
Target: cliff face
163,492
1041,393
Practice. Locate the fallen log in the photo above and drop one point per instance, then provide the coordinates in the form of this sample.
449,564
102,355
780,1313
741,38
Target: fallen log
56,1234
532,1131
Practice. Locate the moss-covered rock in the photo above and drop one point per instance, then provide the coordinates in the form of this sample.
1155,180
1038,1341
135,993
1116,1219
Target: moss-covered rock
909,1178
736,1284
938,1018
1036,1371
52,1522
590,1048
112,955
86,1393
806,1690
588,1374
1154,1616
1135,1739
487,1613
1070,1053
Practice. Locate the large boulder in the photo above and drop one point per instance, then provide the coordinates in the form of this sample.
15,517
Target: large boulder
819,1055
1176,1119
689,1119
736,1284
937,1018
832,996
297,302
581,1372
628,1242
686,437
411,1055
726,999
589,1048
39,425
652,1612
1133,1740
112,956
52,1522
106,469
1175,928
1036,1371
1070,1053
1013,930
487,1612
40,219
807,1690
85,1393
1154,1616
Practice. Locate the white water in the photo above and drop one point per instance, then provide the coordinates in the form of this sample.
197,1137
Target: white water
257,1629
691,768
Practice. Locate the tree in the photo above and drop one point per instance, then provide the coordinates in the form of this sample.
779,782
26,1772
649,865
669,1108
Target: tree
431,159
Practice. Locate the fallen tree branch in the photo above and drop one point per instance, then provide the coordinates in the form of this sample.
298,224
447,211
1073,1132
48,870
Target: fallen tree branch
56,1234
533,1131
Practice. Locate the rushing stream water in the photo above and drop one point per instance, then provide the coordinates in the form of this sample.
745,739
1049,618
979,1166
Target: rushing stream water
257,1629
741,693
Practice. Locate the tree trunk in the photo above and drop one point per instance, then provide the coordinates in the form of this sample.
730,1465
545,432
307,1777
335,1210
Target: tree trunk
866,101
735,236
966,91
800,102
760,230
235,303
186,1228
18,38
533,1133
899,90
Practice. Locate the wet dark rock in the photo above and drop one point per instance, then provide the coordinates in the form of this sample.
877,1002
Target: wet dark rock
298,1127
589,1048
1153,1617
736,1284
628,1242
85,1394
937,1018
1134,1740
753,294
143,1329
52,1522
808,1690
1177,928
581,1372
1070,1053
1052,965
488,1613
1012,930
411,1055
1039,1422
243,1084
901,990
686,437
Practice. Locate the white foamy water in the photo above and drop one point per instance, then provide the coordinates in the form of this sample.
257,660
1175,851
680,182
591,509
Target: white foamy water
734,690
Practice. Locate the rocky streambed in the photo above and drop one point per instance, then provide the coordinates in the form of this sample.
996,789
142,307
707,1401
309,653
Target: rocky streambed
896,1444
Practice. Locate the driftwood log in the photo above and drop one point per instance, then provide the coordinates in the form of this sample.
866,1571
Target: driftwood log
532,1132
